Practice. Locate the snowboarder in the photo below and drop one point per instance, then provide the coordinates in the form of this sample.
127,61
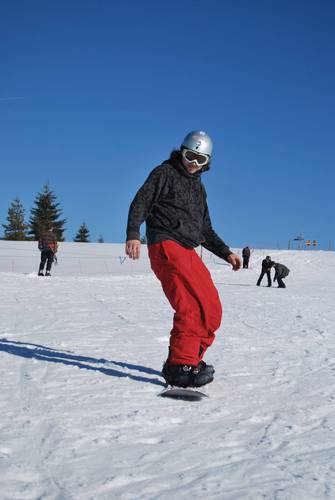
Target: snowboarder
246,257
281,272
173,202
266,269
47,243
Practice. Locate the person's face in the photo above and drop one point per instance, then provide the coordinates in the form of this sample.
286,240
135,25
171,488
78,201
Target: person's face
191,167
193,161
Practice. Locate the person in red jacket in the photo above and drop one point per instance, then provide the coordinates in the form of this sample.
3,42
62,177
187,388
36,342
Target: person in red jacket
173,203
47,243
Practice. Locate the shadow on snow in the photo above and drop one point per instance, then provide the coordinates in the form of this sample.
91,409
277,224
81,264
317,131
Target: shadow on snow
43,353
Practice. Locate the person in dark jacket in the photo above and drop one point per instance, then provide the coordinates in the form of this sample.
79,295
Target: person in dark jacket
173,203
266,269
281,272
246,257
47,243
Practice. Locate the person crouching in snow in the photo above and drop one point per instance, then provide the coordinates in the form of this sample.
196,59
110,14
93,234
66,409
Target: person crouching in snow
173,203
281,272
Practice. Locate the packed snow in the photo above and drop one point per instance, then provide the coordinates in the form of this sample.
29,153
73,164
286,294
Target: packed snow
80,360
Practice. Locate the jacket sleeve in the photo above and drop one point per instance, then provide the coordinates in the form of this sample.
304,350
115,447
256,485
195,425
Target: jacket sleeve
276,274
144,200
213,242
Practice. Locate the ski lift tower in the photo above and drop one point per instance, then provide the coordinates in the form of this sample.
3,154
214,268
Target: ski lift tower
300,239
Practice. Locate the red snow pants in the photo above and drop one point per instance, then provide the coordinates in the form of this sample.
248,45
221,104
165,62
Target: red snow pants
190,290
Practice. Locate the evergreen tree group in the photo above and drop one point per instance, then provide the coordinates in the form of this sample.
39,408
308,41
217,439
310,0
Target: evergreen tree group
46,212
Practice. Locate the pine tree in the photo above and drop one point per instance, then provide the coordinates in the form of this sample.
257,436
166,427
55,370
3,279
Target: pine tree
83,234
46,212
100,239
16,229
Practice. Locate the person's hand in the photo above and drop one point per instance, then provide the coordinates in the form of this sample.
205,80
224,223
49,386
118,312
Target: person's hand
133,249
235,261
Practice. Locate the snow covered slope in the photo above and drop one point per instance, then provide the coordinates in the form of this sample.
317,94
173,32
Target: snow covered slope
73,258
80,360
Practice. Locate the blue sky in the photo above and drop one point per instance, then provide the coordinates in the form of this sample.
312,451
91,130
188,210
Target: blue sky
94,94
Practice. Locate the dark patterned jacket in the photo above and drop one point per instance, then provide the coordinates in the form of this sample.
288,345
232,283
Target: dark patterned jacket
47,241
174,205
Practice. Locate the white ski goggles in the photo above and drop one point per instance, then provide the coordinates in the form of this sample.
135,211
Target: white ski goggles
192,156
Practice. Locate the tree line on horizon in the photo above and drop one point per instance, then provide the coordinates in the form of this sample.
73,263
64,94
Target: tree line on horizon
46,211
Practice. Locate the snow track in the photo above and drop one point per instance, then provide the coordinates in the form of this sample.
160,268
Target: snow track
80,360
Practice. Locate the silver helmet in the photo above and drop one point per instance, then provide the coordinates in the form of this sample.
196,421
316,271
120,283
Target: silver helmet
198,141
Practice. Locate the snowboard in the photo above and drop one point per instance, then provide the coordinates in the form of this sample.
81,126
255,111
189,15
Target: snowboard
184,394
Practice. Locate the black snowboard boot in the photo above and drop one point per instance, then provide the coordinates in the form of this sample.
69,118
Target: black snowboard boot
179,375
188,375
40,273
209,368
47,273
203,374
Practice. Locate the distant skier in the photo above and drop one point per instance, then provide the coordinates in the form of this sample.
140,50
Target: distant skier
246,257
173,202
266,269
281,272
47,243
